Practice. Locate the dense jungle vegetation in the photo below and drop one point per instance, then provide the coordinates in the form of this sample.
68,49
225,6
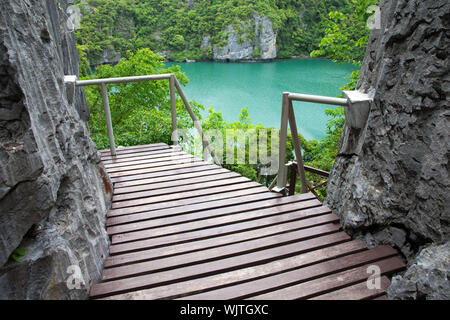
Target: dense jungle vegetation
177,28
138,29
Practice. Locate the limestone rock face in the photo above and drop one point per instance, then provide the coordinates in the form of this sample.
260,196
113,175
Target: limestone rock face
54,192
109,57
427,278
242,47
390,181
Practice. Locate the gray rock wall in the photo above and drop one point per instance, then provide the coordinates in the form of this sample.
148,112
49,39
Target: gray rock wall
235,50
53,190
390,182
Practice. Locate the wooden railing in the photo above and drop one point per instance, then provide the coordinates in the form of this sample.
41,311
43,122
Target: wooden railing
287,115
293,170
173,85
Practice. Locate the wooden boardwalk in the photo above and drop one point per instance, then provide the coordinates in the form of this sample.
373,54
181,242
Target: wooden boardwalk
182,228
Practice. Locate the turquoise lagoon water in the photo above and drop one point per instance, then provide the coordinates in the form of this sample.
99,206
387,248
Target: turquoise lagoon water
229,87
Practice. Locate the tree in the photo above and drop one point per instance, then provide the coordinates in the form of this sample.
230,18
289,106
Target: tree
140,111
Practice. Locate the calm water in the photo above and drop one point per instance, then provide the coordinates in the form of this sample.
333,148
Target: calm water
228,87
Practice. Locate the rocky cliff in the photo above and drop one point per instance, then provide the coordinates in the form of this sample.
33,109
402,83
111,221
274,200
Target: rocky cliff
54,192
390,182
257,44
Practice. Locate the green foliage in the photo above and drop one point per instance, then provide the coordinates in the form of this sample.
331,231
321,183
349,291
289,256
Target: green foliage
140,111
245,134
345,40
85,69
346,33
19,252
178,27
256,53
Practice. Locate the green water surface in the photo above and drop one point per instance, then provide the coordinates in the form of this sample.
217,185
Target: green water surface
228,87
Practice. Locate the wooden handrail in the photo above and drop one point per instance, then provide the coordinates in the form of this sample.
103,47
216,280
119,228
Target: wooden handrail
173,85
293,177
287,115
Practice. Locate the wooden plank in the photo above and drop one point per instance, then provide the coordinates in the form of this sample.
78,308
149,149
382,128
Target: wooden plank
178,178
223,265
180,189
127,157
182,202
189,159
359,291
159,144
299,275
218,215
188,194
143,255
114,176
317,171
133,153
271,225
194,286
170,157
136,149
155,157
332,282
237,205
186,179
225,251
147,168
209,223
167,173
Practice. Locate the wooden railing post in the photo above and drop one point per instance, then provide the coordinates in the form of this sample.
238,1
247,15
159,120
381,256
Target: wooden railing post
205,143
297,149
173,104
109,126
282,174
292,177
173,85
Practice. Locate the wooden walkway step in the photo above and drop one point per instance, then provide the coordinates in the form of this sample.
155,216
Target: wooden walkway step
182,228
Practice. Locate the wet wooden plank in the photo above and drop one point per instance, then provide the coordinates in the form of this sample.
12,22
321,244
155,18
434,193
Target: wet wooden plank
181,189
127,169
359,291
194,178
169,172
169,165
127,157
136,149
188,201
299,275
145,255
206,224
183,228
225,251
156,156
126,164
133,153
159,144
218,207
254,228
219,215
188,194
222,265
332,282
195,286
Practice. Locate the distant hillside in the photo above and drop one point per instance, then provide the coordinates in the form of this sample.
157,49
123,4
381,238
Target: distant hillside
204,29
